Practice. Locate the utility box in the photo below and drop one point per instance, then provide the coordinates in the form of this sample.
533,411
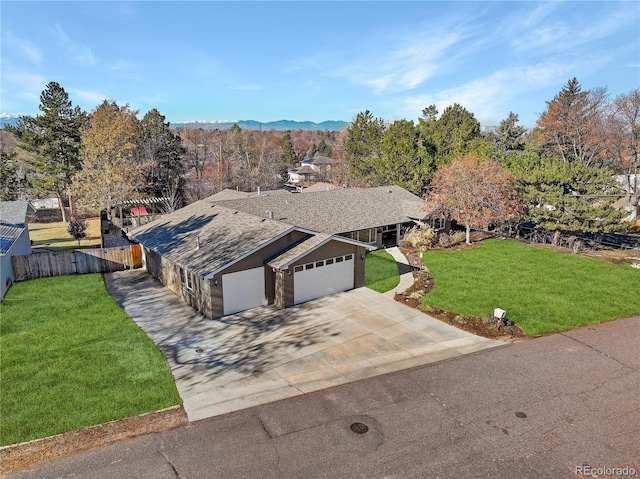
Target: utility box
499,313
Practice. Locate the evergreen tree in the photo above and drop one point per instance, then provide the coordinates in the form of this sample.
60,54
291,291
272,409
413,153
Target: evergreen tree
289,156
456,132
402,161
162,151
361,145
323,149
509,136
565,196
8,177
53,141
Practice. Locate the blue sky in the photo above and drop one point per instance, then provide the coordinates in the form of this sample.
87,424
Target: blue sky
315,61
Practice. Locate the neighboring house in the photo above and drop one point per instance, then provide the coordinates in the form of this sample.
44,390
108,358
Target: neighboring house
302,174
225,256
321,164
631,201
311,169
14,238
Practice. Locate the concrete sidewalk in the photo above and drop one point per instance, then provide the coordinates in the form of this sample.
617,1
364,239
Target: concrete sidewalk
546,408
405,270
266,354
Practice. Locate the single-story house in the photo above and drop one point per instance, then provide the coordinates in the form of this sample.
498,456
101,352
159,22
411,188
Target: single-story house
225,256
14,238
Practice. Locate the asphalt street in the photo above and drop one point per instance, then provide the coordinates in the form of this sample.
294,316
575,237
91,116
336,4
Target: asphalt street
551,407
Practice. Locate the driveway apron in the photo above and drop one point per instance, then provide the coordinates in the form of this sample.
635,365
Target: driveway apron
266,354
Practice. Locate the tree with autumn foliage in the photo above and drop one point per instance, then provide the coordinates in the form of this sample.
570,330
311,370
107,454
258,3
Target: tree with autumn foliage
571,127
474,191
111,167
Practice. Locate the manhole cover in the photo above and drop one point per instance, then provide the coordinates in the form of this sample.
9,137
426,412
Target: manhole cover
199,350
359,428
521,415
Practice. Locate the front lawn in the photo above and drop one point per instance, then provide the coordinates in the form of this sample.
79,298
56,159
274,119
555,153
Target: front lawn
381,271
542,291
71,357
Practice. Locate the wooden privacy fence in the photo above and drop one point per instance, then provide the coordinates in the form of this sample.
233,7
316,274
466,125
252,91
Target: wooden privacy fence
80,261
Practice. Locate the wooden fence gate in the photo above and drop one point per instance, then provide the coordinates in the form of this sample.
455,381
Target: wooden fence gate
79,261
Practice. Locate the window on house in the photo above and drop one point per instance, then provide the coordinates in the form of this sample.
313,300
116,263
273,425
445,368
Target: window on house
308,266
319,264
349,257
185,279
365,236
339,259
329,261
437,223
298,269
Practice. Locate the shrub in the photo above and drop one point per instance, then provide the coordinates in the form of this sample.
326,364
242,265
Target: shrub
421,237
77,229
457,237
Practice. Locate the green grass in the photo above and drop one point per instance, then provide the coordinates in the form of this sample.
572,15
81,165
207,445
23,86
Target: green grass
71,357
381,271
542,291
54,236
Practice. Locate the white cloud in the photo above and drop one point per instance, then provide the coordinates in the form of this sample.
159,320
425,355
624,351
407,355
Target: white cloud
26,49
80,53
539,34
486,96
402,68
88,96
30,84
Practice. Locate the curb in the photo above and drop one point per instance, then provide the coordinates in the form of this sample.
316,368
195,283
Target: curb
31,453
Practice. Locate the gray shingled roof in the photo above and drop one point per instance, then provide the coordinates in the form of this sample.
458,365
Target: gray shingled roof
298,251
229,194
337,211
319,187
13,221
225,236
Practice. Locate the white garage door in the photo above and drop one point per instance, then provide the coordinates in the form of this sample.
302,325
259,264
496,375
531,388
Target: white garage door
243,290
314,280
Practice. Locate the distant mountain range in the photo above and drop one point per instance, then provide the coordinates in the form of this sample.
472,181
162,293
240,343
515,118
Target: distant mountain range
10,119
331,125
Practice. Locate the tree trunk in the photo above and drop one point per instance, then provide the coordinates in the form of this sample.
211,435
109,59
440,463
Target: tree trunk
61,205
468,233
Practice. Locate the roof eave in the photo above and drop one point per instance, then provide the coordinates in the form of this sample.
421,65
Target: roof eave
341,239
248,253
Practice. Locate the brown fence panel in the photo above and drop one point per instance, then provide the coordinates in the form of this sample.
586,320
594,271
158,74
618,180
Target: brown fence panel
81,261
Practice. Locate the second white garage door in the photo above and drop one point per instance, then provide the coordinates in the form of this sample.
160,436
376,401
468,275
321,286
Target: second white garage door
243,290
320,278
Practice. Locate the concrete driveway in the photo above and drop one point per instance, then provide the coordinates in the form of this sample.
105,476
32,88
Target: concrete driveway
266,354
